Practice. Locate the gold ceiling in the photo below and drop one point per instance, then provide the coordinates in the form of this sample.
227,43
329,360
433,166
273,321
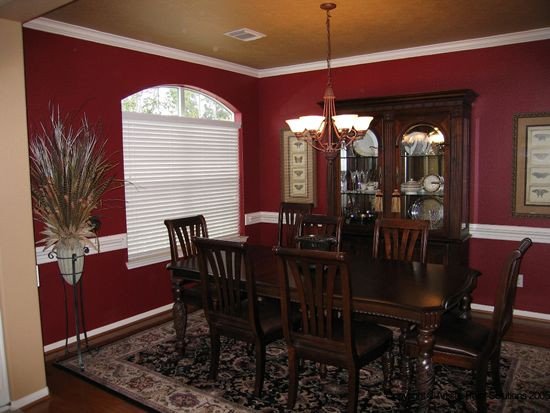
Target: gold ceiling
294,29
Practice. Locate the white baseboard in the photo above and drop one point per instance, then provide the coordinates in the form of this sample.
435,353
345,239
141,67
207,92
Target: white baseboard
109,327
518,313
142,316
29,399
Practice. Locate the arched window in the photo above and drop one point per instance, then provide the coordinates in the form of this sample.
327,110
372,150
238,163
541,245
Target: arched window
177,101
180,158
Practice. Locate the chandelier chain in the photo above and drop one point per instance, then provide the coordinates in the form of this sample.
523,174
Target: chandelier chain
329,49
329,133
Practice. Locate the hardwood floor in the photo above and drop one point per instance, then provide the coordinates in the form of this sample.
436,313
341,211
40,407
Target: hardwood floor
69,393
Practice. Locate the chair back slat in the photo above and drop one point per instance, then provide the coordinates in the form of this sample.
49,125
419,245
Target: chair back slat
506,290
399,239
181,232
288,216
318,277
225,269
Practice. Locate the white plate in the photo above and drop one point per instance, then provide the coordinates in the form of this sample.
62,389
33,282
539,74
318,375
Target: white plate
415,143
429,208
368,146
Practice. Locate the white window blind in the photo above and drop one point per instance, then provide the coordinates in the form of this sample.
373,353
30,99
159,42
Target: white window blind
176,167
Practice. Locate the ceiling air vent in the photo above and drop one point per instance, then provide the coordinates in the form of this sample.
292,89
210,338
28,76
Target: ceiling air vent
246,35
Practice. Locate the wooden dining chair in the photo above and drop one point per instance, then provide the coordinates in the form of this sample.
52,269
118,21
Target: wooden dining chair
326,333
288,214
321,232
180,234
230,309
402,240
470,345
399,239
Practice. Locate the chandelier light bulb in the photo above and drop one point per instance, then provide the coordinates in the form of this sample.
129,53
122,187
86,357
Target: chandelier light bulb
362,123
344,122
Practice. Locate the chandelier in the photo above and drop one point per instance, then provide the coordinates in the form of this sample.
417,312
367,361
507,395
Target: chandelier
329,133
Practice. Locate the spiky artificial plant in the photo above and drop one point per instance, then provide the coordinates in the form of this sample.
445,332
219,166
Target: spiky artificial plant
70,173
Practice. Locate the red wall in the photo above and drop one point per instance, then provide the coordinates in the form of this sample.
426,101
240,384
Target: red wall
93,78
509,80
90,78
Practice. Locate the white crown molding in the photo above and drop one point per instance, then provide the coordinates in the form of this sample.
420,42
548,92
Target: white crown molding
78,32
461,45
65,29
106,244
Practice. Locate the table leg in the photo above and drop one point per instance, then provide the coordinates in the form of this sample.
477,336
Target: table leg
424,370
179,313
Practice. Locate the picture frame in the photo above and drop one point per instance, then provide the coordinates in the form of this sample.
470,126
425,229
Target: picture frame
531,180
298,170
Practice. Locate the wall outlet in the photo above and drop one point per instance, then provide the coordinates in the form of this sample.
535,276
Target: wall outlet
520,280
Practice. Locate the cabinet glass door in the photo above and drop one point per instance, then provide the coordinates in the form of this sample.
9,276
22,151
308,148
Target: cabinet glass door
359,179
423,171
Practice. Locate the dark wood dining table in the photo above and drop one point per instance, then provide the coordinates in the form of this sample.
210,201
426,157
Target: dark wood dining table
412,291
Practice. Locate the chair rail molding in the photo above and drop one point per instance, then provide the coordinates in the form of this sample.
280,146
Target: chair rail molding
478,231
106,244
261,217
510,233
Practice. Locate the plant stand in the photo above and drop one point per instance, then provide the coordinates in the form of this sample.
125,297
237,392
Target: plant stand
78,308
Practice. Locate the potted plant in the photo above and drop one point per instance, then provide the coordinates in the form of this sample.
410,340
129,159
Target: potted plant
70,173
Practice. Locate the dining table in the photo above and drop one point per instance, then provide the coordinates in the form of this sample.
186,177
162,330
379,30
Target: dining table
412,291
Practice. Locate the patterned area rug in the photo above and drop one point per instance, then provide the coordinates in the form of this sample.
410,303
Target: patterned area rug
146,369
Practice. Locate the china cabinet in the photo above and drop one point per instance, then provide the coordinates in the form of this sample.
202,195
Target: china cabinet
413,163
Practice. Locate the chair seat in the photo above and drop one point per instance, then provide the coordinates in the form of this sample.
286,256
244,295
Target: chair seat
458,336
269,317
370,336
470,345
191,292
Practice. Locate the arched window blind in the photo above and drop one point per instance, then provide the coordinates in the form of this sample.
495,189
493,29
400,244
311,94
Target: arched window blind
174,167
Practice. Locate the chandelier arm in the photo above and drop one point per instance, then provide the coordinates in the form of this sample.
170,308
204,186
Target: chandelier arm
314,143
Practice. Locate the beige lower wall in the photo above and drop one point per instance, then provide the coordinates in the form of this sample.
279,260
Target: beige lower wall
18,289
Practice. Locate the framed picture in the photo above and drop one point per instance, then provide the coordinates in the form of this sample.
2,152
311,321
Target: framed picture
531,192
298,170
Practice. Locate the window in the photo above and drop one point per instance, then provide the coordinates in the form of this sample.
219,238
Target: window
177,101
180,158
